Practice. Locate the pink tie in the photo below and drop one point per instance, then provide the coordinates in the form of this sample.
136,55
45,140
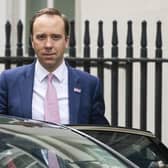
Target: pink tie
52,160
51,111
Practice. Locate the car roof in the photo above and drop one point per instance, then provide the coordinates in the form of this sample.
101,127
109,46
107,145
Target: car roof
114,129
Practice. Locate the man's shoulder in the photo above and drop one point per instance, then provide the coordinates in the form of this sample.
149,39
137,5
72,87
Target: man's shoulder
82,74
17,71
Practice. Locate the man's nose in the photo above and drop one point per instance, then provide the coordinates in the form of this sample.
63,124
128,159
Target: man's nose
48,43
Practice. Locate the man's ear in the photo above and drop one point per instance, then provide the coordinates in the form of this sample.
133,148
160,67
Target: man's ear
31,40
67,41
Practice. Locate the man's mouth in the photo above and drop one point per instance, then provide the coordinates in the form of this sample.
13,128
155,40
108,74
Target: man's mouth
48,54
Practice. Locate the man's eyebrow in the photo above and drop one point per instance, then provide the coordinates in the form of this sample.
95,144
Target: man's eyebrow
59,35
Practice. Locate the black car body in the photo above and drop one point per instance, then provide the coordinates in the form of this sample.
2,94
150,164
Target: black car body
141,147
33,144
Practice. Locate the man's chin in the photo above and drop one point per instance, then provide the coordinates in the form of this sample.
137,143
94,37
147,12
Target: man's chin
50,63
50,66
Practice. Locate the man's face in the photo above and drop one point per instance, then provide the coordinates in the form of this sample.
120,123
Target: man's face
49,41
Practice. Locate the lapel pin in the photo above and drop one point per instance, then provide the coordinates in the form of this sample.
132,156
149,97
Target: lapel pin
77,90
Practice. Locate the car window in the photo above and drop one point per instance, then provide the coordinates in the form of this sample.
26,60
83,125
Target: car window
138,148
33,151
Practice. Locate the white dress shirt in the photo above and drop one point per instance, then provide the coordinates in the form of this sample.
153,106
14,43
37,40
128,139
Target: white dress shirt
60,82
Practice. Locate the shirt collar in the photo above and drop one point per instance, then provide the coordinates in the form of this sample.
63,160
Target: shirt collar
41,72
60,72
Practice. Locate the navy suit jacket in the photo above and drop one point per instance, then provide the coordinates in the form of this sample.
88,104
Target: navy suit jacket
86,103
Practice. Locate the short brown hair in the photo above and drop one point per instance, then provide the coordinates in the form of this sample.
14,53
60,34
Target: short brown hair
50,11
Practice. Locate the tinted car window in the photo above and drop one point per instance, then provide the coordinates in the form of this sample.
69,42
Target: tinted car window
140,149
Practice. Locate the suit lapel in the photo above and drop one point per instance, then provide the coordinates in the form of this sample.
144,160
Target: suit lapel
26,87
74,95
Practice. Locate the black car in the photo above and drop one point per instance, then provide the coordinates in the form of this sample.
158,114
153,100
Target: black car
141,147
34,144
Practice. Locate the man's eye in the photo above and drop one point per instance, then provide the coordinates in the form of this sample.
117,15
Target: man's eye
40,37
56,37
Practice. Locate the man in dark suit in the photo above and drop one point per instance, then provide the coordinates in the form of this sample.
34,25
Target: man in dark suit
23,89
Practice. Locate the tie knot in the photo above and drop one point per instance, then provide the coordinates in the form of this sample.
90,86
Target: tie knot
50,77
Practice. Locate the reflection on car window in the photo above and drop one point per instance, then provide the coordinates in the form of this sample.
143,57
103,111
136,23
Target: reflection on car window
13,157
32,151
136,148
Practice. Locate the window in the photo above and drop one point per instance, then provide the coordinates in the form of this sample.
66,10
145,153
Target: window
66,7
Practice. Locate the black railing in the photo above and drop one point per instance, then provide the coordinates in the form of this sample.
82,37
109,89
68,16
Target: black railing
143,78
113,64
